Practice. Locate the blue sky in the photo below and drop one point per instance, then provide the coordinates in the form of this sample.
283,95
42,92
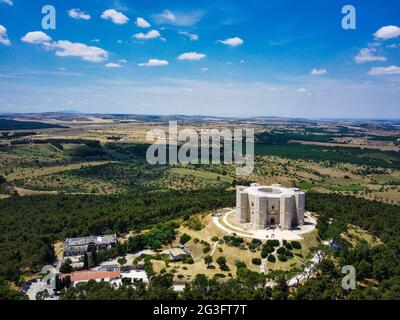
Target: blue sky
226,58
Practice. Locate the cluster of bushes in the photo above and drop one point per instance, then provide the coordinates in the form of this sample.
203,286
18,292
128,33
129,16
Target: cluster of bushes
284,253
254,244
193,223
269,247
233,240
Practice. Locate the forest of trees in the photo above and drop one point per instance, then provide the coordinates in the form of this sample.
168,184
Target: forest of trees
377,268
29,225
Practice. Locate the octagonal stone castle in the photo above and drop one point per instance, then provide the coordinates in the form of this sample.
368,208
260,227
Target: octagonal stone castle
274,205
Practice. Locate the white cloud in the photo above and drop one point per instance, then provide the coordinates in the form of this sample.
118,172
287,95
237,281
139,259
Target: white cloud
112,65
78,14
166,14
205,69
36,37
178,18
302,90
122,60
9,2
115,16
376,71
3,36
96,40
149,35
142,23
65,48
318,72
154,63
387,32
191,56
233,42
367,55
191,36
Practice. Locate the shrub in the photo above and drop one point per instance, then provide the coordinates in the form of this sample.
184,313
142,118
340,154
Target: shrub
288,246
266,251
296,245
256,261
206,249
185,238
281,250
214,239
282,258
240,264
187,260
121,261
289,254
272,243
271,258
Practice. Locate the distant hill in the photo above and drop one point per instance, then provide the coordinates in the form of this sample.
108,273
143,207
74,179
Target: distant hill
6,124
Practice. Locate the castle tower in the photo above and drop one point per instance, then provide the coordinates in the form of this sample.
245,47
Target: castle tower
242,205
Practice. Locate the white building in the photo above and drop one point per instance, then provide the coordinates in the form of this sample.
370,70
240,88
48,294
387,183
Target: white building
264,206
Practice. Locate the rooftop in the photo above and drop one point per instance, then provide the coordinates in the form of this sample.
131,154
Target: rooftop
274,190
92,275
82,241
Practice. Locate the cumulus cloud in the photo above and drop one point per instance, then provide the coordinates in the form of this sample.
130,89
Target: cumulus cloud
367,55
318,72
178,18
149,35
233,42
9,2
377,71
115,16
191,36
191,56
387,32
142,23
3,36
78,14
65,48
154,63
36,37
302,90
112,65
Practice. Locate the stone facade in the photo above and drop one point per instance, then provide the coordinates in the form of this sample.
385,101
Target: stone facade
78,246
274,205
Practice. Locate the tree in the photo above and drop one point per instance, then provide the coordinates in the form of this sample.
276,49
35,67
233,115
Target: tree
221,260
281,290
85,261
184,238
256,261
208,260
66,266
